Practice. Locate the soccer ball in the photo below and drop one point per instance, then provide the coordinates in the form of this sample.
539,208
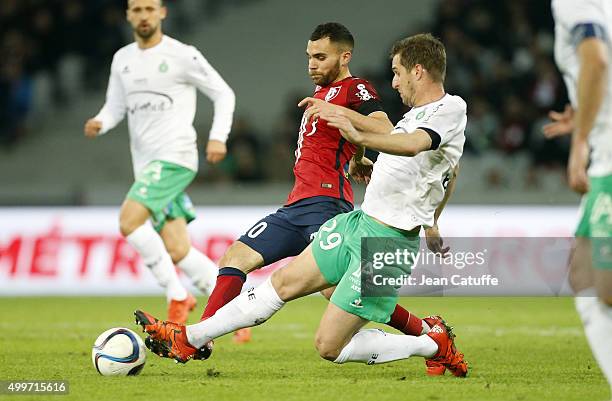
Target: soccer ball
118,352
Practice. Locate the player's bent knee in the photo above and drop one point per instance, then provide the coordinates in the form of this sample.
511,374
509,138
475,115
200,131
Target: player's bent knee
178,252
242,257
327,350
128,226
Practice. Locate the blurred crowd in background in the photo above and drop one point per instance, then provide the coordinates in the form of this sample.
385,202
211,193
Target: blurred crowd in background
499,59
35,36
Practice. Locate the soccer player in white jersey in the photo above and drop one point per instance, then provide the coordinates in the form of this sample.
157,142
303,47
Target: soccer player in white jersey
154,82
404,194
583,51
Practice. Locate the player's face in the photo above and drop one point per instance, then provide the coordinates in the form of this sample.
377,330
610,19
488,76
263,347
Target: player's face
403,81
325,61
145,16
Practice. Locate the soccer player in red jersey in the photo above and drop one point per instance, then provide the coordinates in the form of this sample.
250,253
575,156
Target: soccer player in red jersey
322,189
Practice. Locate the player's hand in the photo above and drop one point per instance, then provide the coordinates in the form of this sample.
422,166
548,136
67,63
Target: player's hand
562,123
92,128
361,170
314,107
435,243
215,151
343,124
577,167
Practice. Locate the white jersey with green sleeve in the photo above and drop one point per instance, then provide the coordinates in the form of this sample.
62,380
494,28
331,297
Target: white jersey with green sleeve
576,21
404,192
156,88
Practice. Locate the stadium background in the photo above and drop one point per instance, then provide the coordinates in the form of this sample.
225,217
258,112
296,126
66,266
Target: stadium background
54,78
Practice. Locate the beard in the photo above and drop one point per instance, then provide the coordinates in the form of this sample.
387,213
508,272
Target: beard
326,79
145,32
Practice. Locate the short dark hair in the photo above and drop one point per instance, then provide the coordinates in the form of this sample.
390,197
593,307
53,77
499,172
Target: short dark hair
422,49
336,33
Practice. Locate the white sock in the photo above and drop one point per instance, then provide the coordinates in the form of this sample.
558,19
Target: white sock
597,320
153,252
250,308
425,327
200,269
373,346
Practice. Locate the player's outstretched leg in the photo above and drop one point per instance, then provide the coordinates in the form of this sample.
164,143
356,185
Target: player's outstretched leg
149,245
340,340
300,277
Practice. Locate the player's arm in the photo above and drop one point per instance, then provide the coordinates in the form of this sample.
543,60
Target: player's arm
114,108
591,87
394,143
204,77
376,121
435,243
592,80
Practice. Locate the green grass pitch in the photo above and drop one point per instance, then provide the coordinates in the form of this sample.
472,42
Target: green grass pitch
518,349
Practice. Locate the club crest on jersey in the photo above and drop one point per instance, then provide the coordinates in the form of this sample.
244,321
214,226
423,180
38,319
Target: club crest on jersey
333,92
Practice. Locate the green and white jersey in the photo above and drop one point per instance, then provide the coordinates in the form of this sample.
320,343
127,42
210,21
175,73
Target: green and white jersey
156,88
574,22
404,192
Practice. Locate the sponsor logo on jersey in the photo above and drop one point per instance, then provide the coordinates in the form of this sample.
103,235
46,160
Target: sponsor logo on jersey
363,93
333,92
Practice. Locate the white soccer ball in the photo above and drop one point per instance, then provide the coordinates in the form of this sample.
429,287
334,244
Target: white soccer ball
118,352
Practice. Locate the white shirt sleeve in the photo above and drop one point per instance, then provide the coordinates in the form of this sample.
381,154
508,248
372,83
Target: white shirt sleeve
115,106
444,119
582,18
204,77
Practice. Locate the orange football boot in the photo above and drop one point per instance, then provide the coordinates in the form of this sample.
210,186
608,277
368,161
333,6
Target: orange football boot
178,311
166,339
433,368
447,354
242,336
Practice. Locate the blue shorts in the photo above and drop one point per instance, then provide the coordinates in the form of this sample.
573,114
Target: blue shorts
289,231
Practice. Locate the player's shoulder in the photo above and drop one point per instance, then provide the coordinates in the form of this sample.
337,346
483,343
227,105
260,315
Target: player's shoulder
125,51
353,82
570,13
455,104
180,48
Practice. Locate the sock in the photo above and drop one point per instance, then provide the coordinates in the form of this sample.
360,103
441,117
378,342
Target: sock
407,323
200,269
250,308
373,346
153,252
597,320
228,286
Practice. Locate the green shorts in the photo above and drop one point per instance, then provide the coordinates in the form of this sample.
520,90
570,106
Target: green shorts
596,220
160,188
337,249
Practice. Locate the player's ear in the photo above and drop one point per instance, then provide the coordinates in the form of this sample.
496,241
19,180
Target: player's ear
418,71
346,57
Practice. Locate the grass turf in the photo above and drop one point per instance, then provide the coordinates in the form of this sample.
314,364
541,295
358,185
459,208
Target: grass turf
518,349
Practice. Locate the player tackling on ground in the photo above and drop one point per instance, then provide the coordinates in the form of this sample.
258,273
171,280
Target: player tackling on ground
154,82
405,190
583,51
322,188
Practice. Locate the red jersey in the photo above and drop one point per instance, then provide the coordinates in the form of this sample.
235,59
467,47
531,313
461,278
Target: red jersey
322,152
